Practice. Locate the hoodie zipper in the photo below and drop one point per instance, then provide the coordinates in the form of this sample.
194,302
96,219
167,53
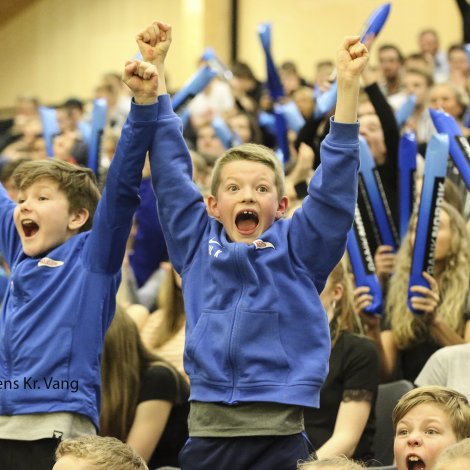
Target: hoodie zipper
231,347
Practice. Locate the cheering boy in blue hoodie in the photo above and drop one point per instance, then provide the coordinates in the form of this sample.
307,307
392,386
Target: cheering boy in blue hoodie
257,336
62,291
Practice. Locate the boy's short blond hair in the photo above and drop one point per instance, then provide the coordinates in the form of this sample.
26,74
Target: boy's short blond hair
252,153
454,453
453,403
101,452
339,463
78,183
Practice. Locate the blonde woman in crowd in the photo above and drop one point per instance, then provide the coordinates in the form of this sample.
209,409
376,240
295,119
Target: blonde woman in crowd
409,339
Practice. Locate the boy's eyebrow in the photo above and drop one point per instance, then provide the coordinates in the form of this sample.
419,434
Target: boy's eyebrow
427,420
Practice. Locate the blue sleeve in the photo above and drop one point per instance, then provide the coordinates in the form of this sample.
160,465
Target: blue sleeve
318,231
120,199
10,241
181,206
149,248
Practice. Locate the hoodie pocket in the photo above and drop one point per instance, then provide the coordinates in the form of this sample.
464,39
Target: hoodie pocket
207,346
261,356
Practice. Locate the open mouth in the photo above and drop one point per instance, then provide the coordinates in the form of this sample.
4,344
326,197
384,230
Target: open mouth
413,462
247,221
30,227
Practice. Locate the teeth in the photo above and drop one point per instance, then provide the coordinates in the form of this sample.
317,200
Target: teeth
413,458
27,222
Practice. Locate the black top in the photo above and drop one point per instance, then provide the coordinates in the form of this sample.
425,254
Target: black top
161,383
387,171
353,375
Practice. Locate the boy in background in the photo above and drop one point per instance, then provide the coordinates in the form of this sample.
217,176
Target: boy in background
427,420
97,453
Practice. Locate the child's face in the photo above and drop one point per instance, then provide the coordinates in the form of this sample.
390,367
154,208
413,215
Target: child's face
247,201
42,217
421,435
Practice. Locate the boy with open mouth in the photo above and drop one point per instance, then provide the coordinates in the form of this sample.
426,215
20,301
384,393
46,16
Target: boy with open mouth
427,420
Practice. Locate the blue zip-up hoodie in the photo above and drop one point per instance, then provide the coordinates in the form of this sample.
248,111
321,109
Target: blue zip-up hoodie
59,305
256,329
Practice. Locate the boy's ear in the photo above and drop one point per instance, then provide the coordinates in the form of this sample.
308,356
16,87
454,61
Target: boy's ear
213,207
282,207
78,219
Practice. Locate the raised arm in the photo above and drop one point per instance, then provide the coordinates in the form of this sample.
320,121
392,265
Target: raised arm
352,57
113,218
319,229
10,241
180,205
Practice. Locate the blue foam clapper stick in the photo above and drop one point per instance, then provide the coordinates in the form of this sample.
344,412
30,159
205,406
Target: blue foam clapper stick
376,21
281,132
193,86
294,118
405,110
326,101
432,196
407,153
216,64
98,123
362,263
467,50
274,82
50,127
223,131
376,195
459,147
267,121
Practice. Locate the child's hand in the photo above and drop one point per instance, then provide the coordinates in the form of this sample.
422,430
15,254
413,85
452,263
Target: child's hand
351,59
142,79
428,301
362,299
384,260
154,42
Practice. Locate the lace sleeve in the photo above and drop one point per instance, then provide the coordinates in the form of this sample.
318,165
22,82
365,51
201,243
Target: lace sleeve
357,395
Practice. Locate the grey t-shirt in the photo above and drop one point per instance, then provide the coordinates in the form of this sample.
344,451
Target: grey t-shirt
448,367
32,427
244,419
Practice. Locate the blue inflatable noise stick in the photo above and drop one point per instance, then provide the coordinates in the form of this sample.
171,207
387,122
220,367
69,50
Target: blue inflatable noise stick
432,197
216,64
376,21
406,110
370,178
458,144
274,82
374,24
362,262
98,123
50,127
193,86
407,153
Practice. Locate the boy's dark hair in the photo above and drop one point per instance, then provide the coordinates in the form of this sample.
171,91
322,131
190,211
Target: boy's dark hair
242,70
9,167
392,47
101,453
427,76
78,183
453,403
253,153
73,103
